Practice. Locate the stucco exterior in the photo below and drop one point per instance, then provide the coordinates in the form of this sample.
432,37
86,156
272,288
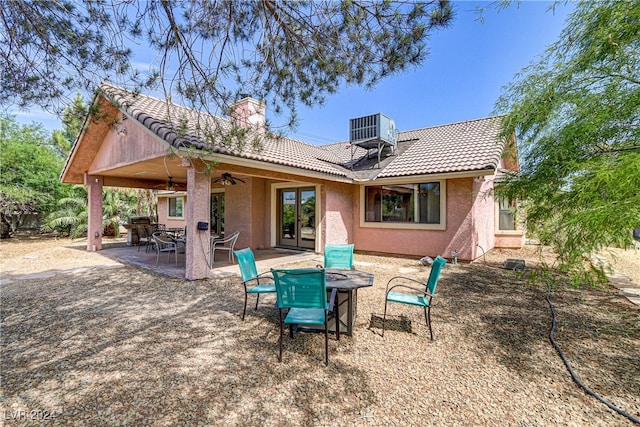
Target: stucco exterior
337,215
134,144
470,220
484,218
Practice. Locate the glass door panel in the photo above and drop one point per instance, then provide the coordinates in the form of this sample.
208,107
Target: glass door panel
288,218
297,217
307,219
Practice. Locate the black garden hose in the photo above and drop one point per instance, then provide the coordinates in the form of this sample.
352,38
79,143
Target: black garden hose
574,376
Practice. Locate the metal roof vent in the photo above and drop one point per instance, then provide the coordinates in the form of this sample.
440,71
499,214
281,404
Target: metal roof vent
374,131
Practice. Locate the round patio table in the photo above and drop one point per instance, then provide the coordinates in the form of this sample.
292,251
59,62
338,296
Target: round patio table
347,283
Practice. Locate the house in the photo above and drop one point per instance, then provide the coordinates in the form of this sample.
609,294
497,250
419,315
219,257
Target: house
419,192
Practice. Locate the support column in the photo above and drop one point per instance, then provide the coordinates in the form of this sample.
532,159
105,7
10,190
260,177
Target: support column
198,210
94,220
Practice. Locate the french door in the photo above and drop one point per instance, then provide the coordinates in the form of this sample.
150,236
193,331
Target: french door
297,217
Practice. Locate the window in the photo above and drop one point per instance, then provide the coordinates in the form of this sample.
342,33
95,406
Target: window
506,214
403,203
176,207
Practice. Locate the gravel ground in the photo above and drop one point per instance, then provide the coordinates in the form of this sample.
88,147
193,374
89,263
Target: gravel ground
89,345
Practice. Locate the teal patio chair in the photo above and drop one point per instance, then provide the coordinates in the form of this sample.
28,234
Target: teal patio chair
338,255
249,273
420,297
303,292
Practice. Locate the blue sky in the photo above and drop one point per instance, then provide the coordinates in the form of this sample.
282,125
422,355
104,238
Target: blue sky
461,79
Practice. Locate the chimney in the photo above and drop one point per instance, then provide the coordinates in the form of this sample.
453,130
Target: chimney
249,113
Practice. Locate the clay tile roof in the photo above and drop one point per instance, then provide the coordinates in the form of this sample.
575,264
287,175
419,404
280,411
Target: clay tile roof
465,146
184,128
472,145
345,153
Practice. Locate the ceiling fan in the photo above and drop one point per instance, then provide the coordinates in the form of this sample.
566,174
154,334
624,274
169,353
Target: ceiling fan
227,179
170,185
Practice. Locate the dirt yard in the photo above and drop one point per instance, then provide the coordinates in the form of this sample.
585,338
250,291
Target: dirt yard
88,342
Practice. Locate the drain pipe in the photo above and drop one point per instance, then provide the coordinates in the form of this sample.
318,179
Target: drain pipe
483,253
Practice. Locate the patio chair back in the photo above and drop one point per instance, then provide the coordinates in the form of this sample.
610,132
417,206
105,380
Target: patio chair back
302,294
301,288
224,244
436,268
403,290
249,272
164,243
144,236
247,264
338,255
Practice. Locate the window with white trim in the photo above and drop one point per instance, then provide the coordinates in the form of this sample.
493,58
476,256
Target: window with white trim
506,214
176,207
404,203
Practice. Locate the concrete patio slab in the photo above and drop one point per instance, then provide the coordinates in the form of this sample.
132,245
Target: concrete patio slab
265,259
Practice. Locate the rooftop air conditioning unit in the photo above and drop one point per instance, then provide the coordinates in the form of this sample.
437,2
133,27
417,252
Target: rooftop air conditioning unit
374,131
373,128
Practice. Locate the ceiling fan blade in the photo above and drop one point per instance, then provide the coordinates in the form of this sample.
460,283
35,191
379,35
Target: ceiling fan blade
170,184
227,179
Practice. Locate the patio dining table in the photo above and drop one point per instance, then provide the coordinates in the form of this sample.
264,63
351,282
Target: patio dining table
347,283
174,231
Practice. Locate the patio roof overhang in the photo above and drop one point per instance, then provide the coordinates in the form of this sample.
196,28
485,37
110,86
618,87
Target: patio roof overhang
151,169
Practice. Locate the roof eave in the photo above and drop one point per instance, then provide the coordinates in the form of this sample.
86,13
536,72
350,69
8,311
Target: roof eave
267,166
429,176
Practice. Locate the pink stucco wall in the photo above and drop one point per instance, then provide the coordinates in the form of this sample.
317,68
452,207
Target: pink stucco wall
133,147
94,220
457,236
338,214
470,228
247,211
483,216
163,212
513,240
197,210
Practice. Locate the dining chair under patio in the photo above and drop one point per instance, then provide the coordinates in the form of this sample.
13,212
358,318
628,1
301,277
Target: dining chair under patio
302,294
224,244
338,255
418,296
144,236
253,282
164,243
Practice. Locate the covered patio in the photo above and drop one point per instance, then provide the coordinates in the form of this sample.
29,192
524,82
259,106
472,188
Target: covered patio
134,145
222,268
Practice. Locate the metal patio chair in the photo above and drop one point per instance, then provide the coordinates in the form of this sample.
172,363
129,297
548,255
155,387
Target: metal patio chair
224,244
144,236
253,282
164,243
303,292
420,296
